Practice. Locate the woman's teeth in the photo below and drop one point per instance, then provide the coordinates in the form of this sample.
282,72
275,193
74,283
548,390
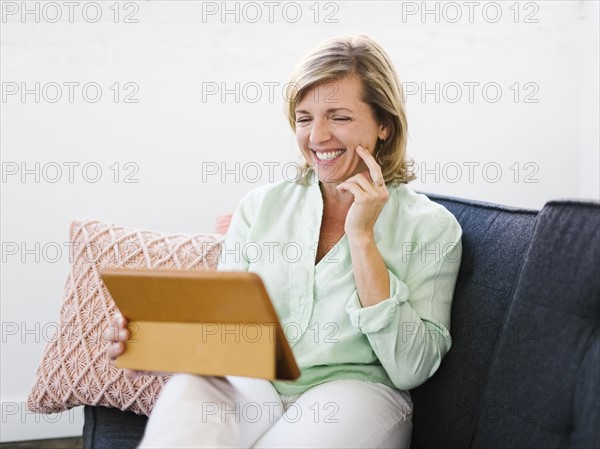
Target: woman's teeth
329,155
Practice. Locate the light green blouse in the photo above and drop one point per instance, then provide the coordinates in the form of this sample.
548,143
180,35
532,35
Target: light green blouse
400,341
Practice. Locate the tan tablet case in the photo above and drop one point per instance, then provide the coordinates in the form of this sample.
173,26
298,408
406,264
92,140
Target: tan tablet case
202,322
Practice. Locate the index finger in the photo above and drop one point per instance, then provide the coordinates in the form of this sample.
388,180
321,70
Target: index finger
372,165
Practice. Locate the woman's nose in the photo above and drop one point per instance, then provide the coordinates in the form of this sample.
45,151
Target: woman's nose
319,132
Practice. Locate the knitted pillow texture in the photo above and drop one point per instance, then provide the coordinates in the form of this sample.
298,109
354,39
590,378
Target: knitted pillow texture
74,369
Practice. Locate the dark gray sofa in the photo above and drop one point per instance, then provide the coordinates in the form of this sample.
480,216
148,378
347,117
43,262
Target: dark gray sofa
524,368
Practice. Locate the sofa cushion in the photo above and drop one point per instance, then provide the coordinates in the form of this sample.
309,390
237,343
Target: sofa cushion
74,369
543,386
495,241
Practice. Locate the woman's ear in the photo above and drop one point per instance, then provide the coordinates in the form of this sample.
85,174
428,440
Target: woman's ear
384,131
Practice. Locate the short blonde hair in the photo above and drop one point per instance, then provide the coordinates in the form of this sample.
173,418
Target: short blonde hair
360,56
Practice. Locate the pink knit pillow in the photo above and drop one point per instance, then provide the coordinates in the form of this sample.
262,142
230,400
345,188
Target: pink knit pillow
74,369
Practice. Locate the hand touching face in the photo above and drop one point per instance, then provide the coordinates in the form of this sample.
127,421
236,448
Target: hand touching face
370,195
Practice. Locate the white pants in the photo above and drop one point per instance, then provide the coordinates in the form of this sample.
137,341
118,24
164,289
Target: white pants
241,412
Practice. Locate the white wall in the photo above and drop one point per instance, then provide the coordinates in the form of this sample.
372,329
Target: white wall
171,54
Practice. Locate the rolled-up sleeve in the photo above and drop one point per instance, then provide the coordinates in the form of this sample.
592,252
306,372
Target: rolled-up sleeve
381,315
410,331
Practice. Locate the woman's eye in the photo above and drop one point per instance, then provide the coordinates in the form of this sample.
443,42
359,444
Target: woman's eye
341,119
302,119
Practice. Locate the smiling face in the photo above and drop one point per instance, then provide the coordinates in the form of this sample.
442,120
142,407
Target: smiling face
331,120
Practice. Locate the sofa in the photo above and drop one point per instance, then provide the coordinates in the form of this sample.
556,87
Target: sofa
524,367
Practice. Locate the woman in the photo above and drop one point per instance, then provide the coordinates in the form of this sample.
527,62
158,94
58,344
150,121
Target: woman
365,292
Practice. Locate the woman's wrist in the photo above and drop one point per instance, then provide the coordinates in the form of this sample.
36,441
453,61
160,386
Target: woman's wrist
361,237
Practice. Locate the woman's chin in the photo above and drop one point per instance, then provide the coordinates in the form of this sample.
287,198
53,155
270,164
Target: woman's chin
324,176
329,180
328,171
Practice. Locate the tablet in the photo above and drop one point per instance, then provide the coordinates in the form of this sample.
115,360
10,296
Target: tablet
214,323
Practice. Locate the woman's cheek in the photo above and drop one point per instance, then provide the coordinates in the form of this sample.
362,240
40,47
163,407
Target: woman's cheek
302,138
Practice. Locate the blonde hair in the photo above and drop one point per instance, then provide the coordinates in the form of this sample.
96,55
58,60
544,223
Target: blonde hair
361,56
